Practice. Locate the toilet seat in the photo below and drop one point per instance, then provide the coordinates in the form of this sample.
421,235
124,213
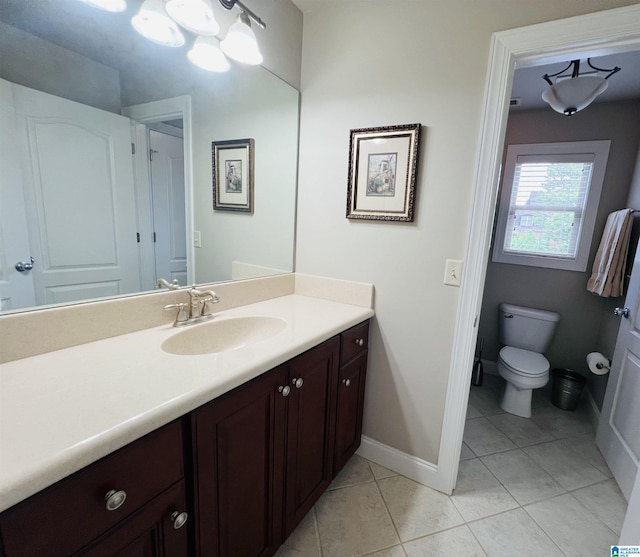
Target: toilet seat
524,362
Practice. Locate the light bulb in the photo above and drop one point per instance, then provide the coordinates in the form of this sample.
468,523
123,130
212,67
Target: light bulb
153,23
240,42
206,54
194,15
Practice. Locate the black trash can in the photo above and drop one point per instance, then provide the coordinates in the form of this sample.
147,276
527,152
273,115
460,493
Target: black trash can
567,388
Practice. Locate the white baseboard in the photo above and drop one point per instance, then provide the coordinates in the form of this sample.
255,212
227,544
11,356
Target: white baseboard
594,411
412,467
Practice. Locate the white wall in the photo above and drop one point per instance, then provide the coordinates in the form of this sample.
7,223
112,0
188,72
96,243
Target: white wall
385,62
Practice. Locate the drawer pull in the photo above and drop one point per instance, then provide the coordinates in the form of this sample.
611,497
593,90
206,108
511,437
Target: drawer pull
284,390
347,382
179,519
360,341
298,382
115,499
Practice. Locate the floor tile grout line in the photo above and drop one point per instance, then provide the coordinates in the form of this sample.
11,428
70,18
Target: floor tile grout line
386,507
317,532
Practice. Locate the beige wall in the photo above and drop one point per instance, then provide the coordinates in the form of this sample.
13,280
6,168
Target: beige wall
384,62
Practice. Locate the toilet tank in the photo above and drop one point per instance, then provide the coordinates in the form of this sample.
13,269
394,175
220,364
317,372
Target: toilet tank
526,328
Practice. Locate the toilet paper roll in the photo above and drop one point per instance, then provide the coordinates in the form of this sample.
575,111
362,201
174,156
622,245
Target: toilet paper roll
598,363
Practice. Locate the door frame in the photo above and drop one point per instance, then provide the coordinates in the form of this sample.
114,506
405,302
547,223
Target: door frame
168,109
596,34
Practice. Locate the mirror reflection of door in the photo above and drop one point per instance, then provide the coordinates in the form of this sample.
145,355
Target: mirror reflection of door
168,204
16,289
76,179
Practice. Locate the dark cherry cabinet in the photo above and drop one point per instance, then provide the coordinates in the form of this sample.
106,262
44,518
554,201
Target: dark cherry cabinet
142,483
351,382
310,429
244,442
246,467
238,445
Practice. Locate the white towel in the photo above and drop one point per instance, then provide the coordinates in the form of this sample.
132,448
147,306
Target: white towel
607,278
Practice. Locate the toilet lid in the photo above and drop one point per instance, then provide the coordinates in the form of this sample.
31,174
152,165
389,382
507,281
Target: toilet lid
524,361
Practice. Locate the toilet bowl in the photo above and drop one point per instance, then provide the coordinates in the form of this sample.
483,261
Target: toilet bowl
523,371
526,333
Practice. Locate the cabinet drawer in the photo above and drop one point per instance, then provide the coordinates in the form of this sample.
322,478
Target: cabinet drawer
66,516
354,341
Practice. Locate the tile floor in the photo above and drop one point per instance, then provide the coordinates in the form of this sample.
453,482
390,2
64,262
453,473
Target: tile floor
526,487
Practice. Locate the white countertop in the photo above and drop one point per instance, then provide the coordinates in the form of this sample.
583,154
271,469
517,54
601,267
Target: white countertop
63,410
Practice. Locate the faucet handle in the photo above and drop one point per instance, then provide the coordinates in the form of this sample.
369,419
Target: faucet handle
210,298
182,317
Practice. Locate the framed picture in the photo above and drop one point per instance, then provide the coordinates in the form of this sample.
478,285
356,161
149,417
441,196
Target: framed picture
382,173
233,175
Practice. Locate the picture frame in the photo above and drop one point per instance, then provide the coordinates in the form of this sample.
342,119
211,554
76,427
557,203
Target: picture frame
382,173
232,165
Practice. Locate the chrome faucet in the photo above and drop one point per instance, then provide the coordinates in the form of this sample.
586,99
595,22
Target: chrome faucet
198,300
195,310
173,285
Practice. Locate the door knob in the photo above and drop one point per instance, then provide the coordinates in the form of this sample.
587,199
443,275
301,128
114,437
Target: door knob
23,266
622,312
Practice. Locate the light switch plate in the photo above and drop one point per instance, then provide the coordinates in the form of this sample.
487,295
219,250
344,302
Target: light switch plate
197,239
453,272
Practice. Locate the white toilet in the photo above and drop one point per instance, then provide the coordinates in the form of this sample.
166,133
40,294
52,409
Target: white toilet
525,333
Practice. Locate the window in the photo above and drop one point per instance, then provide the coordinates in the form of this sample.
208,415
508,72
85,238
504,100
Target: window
548,205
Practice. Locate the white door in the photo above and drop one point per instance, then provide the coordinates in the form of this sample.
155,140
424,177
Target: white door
618,435
16,288
169,225
78,182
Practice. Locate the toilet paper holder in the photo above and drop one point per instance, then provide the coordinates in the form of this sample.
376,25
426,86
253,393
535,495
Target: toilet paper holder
598,363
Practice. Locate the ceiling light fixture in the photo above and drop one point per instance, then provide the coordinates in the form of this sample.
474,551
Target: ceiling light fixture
194,15
108,5
153,23
575,91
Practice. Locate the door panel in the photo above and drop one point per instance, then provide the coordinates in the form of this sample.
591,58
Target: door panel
618,435
16,288
78,183
167,185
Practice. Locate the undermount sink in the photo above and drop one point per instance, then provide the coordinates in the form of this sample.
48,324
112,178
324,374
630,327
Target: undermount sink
218,336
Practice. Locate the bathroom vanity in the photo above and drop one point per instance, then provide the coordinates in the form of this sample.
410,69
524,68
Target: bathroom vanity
237,446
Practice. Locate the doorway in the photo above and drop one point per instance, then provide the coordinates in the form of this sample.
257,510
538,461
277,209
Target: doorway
601,33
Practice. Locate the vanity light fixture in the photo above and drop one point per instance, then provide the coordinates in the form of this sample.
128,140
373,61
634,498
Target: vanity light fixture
240,42
194,15
574,91
153,23
108,5
206,54
158,21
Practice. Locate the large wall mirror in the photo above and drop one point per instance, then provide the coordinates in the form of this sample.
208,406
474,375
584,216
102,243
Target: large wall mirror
106,171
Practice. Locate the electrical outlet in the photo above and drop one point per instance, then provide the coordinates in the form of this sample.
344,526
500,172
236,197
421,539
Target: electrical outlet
453,272
197,239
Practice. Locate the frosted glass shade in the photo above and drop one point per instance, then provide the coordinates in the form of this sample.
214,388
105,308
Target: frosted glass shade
571,95
194,15
240,42
108,5
206,54
153,23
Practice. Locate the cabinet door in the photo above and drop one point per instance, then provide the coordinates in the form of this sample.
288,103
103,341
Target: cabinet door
310,429
151,532
350,407
238,455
